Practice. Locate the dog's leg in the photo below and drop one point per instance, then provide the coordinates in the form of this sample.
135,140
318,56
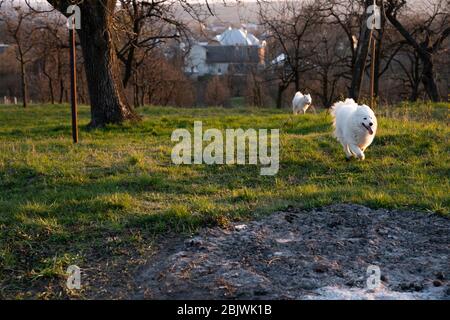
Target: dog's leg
348,154
357,151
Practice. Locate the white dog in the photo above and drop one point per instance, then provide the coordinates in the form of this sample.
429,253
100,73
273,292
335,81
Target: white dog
355,127
301,102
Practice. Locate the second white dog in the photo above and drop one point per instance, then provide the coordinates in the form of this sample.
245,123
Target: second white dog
355,127
301,102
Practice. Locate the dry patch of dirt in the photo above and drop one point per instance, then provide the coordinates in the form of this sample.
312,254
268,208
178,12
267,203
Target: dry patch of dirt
318,254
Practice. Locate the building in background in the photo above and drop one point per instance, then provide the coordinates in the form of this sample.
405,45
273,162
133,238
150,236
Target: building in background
235,51
3,47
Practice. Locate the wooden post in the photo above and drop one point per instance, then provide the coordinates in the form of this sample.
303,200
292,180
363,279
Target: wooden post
372,73
73,81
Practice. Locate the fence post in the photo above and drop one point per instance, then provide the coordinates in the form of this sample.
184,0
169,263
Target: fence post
372,73
73,80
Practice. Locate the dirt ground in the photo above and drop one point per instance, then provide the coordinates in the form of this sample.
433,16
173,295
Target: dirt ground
318,254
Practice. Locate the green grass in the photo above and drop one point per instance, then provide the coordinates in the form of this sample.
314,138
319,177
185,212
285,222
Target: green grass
110,195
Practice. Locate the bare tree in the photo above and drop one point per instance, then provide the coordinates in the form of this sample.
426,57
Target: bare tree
217,92
362,52
256,91
410,67
427,39
107,97
348,15
99,44
51,54
352,17
329,61
288,24
162,82
19,28
10,84
144,26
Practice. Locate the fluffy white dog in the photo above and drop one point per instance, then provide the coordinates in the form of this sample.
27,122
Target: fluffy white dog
301,102
355,127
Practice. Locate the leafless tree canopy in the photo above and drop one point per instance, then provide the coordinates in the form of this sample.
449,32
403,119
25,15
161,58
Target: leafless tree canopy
319,47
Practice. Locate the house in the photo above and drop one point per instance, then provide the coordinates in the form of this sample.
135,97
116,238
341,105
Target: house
237,37
3,47
235,51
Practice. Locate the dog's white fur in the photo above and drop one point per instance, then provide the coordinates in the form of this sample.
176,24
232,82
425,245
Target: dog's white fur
355,127
301,102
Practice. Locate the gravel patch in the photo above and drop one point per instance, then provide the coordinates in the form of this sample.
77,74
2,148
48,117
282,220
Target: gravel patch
318,254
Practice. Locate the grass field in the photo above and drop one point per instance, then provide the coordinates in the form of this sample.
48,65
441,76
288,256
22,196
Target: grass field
112,194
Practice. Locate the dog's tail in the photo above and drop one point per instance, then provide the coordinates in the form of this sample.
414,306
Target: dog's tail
340,104
298,94
335,109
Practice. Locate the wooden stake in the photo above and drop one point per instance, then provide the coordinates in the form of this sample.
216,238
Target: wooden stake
372,73
73,82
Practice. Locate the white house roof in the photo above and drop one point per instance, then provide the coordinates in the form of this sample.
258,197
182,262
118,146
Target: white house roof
236,37
279,59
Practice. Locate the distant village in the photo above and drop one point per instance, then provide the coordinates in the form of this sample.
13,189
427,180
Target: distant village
261,62
235,51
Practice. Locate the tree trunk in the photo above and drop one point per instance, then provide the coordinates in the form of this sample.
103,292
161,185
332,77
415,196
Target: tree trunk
142,98
61,90
50,83
297,81
415,79
50,87
425,52
136,95
362,52
377,68
23,75
128,61
281,89
325,87
378,50
428,80
107,97
358,72
108,102
414,93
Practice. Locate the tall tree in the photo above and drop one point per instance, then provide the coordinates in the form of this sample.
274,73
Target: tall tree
352,18
329,60
289,24
146,25
20,30
433,31
347,14
362,53
410,75
107,97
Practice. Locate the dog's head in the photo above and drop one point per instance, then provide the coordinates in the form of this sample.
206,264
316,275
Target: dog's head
367,118
308,98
